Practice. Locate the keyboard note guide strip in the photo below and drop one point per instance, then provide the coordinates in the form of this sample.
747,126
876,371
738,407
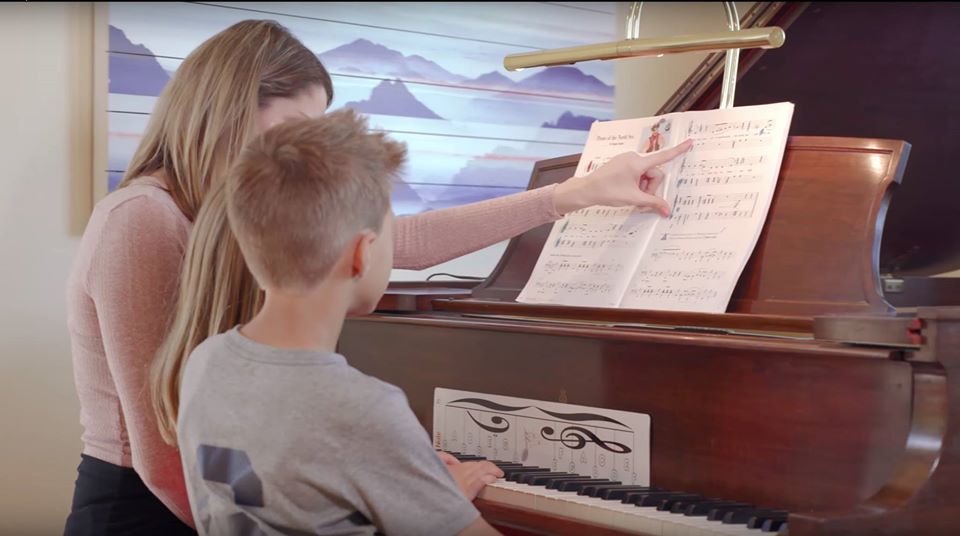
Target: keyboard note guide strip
601,443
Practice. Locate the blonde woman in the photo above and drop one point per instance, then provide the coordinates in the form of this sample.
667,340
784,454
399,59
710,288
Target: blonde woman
124,284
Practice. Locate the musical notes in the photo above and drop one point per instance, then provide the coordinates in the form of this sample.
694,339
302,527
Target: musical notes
672,298
712,207
554,266
678,255
582,288
719,193
730,135
720,171
753,128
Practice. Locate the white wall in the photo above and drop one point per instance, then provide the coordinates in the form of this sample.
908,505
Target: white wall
643,85
38,405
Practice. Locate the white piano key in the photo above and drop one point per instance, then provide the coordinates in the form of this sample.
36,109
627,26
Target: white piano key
614,514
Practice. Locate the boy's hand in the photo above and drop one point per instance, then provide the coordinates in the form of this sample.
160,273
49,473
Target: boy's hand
447,458
471,477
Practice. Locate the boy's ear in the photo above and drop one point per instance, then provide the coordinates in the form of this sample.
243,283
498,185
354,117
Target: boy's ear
361,254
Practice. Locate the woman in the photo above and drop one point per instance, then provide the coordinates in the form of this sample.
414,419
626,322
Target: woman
124,284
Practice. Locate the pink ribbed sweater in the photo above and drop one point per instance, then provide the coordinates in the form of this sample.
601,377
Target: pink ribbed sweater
122,290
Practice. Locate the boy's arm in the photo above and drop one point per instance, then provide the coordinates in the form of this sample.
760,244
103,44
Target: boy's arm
479,527
399,482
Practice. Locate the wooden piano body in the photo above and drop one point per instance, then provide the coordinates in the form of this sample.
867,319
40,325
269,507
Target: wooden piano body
811,394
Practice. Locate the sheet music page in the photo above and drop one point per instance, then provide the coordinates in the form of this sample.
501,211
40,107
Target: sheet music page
719,200
602,443
591,255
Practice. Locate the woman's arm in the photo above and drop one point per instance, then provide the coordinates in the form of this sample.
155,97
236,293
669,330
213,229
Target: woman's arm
437,236
133,282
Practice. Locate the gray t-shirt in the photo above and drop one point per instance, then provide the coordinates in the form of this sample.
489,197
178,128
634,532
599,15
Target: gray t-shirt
299,442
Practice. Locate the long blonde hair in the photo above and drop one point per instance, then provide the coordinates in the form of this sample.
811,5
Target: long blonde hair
207,112
202,120
216,293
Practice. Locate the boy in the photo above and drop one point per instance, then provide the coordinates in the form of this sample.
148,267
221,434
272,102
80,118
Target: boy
277,432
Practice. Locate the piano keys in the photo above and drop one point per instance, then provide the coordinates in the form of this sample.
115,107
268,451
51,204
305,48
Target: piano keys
632,509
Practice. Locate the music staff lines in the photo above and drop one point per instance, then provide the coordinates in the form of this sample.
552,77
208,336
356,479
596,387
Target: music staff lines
586,288
752,127
685,295
720,171
703,274
703,207
583,267
712,255
731,135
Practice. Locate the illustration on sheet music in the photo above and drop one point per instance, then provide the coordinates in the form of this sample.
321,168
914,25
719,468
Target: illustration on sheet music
599,442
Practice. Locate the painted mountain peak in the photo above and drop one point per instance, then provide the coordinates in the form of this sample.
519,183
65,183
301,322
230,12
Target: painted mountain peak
362,56
132,68
571,121
568,79
391,97
366,57
493,79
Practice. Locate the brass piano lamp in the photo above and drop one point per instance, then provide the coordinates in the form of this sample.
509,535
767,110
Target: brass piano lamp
634,47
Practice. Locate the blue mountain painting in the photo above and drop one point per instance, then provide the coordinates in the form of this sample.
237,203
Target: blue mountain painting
392,98
132,68
571,121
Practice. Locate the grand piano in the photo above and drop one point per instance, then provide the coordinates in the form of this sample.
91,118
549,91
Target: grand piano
813,403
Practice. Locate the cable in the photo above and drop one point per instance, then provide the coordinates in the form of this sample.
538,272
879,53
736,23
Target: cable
467,277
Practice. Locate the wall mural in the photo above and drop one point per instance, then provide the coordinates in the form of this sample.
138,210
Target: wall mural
430,74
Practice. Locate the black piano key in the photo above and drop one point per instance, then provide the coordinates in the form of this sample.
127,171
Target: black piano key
616,494
774,524
595,491
507,465
647,498
552,483
759,518
540,479
704,508
576,485
680,507
716,514
743,516
466,457
666,504
514,474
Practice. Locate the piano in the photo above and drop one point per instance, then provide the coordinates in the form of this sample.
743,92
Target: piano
811,407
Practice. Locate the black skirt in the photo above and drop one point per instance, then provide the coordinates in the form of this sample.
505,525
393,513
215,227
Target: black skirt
112,500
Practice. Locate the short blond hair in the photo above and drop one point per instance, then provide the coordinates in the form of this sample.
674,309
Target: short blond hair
301,190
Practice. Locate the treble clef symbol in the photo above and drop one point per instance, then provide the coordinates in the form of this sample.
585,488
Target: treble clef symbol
576,437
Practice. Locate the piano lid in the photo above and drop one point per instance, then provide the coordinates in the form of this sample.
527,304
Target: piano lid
872,70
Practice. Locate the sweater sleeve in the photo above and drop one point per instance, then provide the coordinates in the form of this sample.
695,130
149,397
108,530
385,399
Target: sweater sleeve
427,239
133,281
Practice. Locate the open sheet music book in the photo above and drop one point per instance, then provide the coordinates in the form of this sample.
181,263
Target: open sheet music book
719,193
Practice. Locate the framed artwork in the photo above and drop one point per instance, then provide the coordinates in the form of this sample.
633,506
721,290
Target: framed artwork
430,74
